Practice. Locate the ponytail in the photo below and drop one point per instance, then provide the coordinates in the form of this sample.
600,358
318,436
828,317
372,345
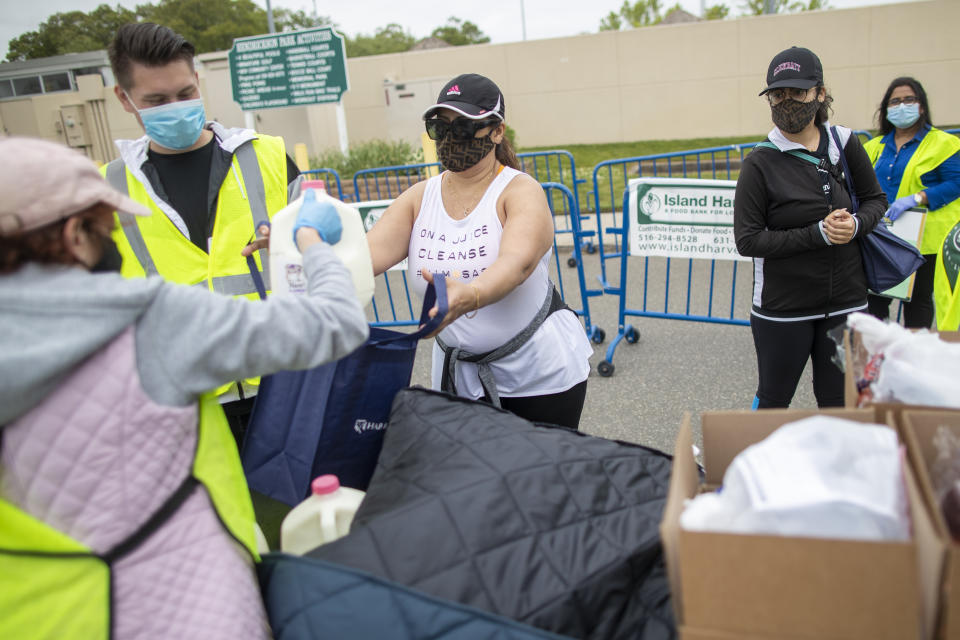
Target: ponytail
505,154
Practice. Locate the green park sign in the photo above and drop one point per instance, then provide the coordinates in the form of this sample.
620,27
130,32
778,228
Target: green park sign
288,69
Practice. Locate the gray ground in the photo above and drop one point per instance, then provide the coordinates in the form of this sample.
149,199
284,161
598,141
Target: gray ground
676,365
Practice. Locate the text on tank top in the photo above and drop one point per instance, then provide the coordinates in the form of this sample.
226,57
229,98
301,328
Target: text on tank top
464,249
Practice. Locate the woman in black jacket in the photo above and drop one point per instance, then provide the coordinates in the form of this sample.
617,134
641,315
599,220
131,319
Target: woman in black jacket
794,217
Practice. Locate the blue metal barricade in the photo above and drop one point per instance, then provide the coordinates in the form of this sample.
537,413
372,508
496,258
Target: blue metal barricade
703,290
330,178
611,176
384,183
564,226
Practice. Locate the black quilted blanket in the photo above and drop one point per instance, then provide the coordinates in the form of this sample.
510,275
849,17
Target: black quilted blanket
547,526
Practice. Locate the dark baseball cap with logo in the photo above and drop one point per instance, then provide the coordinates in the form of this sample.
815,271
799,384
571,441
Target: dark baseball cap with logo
470,95
795,67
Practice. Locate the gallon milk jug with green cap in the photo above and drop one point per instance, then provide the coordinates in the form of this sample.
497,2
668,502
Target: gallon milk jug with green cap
286,263
323,517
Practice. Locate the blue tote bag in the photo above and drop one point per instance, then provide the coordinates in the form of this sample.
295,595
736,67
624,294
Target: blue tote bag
888,259
332,418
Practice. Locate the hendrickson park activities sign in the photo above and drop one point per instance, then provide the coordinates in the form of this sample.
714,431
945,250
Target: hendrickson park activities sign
288,69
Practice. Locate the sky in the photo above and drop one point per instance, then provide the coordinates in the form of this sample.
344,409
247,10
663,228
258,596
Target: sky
499,19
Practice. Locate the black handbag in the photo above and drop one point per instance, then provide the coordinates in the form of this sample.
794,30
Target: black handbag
888,259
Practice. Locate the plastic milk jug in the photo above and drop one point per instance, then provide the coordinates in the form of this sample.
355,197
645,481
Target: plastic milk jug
286,263
323,517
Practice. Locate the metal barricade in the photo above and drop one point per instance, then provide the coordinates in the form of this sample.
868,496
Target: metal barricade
570,225
706,290
326,175
611,176
385,183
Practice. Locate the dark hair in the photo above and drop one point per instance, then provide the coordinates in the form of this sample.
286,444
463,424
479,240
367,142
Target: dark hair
149,44
505,154
45,245
826,107
905,81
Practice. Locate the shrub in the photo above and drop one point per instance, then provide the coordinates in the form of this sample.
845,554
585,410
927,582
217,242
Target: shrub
367,155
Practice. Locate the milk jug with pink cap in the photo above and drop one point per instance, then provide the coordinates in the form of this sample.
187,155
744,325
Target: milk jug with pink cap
323,517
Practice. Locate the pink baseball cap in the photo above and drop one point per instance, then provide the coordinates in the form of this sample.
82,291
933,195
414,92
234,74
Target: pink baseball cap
42,182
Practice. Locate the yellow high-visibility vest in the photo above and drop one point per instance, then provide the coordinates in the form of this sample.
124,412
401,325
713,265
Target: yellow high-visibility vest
254,189
52,586
935,147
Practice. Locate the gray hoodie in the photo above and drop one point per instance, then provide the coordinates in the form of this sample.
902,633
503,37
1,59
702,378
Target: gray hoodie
188,340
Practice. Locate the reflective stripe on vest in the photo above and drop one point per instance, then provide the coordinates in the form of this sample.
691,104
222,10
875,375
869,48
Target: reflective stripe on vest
935,147
117,177
251,192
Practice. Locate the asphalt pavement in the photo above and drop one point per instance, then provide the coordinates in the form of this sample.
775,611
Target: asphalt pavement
675,366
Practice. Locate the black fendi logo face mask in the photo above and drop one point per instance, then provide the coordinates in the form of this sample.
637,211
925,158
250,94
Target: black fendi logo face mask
460,155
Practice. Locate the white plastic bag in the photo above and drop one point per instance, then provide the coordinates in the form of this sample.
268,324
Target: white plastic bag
917,367
820,477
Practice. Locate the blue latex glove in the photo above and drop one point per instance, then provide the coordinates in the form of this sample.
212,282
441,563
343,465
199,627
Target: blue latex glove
321,216
899,206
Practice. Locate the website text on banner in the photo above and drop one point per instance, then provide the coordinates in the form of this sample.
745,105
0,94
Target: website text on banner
683,218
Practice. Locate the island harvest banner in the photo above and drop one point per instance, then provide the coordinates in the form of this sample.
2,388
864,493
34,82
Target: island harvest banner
682,218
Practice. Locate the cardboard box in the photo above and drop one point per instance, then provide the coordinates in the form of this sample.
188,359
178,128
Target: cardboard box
765,586
855,357
919,428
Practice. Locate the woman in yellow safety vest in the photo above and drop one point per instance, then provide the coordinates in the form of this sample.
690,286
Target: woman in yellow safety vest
918,165
123,508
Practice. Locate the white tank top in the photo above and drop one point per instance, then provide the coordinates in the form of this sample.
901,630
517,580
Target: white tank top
553,360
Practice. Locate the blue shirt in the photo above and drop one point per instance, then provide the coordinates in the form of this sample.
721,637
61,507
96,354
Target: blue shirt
942,183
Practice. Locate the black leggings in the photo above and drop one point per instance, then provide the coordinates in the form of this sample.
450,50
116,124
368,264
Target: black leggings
562,408
782,352
918,313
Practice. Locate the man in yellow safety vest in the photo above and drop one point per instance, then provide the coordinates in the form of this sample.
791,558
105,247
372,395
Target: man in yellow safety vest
207,186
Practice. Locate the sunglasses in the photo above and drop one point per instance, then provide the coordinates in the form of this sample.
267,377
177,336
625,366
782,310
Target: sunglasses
776,96
460,129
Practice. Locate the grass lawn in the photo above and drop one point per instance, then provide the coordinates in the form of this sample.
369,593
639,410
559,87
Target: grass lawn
611,180
587,156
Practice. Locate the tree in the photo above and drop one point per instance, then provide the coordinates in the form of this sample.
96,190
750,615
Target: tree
459,32
717,12
758,7
210,25
289,20
389,39
641,13
70,32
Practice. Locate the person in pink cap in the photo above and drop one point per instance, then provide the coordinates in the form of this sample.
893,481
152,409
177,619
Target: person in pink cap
123,506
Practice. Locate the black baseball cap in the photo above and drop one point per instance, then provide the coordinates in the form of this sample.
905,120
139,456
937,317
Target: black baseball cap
470,95
795,67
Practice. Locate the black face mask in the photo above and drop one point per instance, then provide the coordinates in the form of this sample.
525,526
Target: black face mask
460,155
110,258
791,116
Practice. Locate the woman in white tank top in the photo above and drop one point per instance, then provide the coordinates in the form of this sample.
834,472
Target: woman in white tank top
487,227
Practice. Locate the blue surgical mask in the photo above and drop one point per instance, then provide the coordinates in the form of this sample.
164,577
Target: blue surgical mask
175,125
903,116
